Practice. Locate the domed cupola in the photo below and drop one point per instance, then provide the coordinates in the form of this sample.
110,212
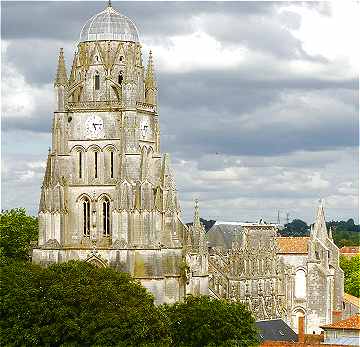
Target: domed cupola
109,24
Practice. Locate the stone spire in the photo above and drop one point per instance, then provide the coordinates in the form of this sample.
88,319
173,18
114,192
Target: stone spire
320,230
150,82
61,77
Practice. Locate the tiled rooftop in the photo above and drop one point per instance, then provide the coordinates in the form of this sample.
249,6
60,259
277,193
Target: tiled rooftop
352,323
295,245
350,249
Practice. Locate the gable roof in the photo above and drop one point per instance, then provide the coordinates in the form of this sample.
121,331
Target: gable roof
292,245
275,330
352,299
352,323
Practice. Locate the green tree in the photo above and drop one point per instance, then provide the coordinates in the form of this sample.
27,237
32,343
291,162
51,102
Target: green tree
200,322
295,228
17,230
351,268
76,304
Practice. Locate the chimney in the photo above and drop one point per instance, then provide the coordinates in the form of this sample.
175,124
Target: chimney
301,329
336,316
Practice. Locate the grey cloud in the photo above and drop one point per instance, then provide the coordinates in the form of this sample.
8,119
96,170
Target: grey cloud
43,19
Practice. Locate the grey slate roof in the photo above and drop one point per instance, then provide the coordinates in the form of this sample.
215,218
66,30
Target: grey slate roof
222,235
275,330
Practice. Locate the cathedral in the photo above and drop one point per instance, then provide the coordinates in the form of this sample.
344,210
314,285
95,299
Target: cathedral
109,197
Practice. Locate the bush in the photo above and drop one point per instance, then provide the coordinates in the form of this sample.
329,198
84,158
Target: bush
351,268
200,321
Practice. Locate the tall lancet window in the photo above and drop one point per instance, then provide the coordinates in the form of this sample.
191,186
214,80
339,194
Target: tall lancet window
96,164
106,217
97,81
86,216
120,77
80,164
111,164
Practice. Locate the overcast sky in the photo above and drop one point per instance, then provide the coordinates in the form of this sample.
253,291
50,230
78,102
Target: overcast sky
258,101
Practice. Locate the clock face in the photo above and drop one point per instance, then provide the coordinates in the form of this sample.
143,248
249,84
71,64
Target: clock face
94,126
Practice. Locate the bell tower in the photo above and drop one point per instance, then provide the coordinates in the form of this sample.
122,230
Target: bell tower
108,194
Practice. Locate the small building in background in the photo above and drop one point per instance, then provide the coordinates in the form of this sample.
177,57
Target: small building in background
344,332
350,251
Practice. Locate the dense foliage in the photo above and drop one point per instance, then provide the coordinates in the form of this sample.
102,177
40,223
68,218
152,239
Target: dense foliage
200,322
295,228
345,233
76,304
17,230
351,268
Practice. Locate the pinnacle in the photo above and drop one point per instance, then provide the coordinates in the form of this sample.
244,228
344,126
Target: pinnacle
196,213
150,76
61,77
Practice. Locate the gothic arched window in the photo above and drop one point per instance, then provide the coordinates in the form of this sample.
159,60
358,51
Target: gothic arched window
86,216
120,77
97,81
106,217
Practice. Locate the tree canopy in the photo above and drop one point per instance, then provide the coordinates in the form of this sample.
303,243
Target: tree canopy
351,268
295,228
345,233
74,304
201,321
17,230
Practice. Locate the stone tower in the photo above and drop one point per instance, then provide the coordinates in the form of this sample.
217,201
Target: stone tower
108,195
